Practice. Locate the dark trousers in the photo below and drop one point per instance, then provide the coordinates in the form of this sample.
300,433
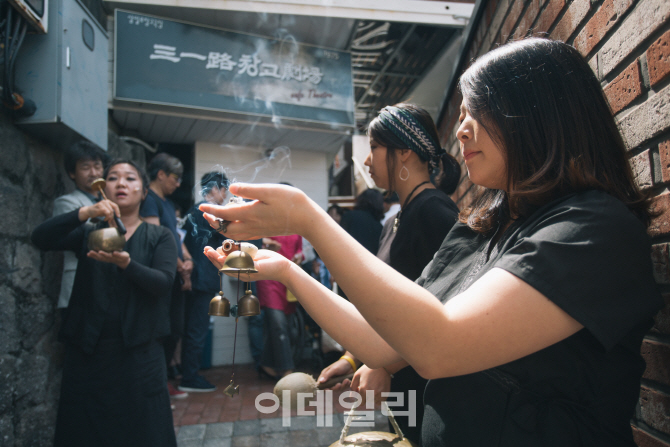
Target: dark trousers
196,327
176,321
255,329
277,353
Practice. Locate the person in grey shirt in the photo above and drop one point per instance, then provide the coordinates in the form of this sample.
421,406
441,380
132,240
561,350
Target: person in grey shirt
84,162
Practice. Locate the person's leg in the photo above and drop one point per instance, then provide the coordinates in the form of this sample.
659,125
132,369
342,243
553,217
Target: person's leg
176,322
195,333
255,328
176,328
278,354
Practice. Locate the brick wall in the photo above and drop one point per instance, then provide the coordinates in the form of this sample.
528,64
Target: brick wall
31,177
627,44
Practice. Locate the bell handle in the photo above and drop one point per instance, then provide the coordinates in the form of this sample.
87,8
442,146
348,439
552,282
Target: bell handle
333,381
350,417
99,184
396,428
347,423
119,225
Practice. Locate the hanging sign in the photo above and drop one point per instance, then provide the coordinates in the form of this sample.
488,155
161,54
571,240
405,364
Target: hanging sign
167,62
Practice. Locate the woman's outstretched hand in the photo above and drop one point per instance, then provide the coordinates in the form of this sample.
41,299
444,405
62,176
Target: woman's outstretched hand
275,210
120,258
271,265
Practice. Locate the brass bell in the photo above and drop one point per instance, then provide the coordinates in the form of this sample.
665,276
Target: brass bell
248,306
240,262
231,390
373,439
106,239
219,306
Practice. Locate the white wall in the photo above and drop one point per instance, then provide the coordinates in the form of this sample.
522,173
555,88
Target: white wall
304,170
224,331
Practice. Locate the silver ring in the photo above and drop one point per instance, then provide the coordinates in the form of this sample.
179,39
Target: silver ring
223,225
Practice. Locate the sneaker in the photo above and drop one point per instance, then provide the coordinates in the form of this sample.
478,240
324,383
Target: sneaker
198,385
175,393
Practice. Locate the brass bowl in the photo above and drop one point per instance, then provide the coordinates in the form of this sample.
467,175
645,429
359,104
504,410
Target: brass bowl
374,439
106,239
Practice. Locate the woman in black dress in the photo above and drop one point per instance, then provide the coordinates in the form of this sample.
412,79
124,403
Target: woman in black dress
400,163
114,389
529,320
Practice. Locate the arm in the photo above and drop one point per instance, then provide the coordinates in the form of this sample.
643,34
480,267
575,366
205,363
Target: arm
298,257
65,204
61,232
156,280
498,319
64,231
333,313
185,267
154,220
149,210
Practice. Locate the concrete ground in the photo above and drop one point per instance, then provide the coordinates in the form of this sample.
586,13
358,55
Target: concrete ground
302,432
214,419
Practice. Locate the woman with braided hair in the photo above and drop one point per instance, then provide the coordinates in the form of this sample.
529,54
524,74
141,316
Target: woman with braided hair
528,321
405,155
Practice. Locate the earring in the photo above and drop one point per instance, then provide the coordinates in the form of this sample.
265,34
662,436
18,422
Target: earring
406,170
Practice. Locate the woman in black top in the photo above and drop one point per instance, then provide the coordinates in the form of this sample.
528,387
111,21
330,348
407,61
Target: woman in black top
532,313
114,389
410,239
363,223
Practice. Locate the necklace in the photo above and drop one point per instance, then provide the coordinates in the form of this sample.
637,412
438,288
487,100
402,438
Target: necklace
396,222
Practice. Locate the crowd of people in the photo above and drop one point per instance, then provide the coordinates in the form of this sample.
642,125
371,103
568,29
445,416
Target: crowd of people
516,321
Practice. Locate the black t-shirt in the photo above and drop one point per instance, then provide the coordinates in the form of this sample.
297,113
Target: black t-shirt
424,223
205,276
363,227
589,255
154,206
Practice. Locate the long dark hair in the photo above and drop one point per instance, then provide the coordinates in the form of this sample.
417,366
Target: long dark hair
371,201
447,177
544,108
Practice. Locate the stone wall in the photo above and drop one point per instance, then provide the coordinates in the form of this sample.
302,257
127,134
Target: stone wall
627,43
31,177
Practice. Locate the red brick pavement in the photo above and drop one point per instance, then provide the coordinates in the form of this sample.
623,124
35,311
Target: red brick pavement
205,408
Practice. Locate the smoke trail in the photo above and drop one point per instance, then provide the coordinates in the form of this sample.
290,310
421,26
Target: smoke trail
214,184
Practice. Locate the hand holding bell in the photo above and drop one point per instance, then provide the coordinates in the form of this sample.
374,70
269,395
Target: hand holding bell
301,383
99,185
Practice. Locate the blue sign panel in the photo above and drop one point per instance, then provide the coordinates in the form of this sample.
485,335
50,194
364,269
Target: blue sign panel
167,62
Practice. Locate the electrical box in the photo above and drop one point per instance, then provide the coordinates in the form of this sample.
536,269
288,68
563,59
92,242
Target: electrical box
36,12
65,72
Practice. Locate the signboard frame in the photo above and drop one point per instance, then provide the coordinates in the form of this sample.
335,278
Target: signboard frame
300,102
